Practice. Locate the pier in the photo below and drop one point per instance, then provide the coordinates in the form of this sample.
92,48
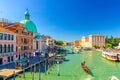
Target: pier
9,72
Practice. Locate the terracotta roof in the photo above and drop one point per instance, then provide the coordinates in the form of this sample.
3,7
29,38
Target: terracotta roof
5,30
97,35
47,37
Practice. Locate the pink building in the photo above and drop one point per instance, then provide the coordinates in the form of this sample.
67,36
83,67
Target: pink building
7,46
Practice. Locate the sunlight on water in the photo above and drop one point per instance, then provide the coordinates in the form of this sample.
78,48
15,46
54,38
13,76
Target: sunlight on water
101,68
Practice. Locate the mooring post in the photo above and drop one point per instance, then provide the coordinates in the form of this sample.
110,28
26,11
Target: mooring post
45,67
39,72
24,73
31,69
58,68
13,75
35,68
33,75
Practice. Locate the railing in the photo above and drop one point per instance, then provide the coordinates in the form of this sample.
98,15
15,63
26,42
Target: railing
8,53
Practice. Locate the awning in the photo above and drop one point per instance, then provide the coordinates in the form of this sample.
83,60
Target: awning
22,60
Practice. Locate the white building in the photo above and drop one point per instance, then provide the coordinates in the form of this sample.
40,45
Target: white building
94,39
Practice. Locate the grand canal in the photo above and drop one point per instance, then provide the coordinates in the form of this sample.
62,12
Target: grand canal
71,68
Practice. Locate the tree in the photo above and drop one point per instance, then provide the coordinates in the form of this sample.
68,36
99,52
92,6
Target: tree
96,46
58,42
111,42
108,45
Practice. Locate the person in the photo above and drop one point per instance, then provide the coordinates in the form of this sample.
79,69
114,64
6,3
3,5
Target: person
84,62
28,62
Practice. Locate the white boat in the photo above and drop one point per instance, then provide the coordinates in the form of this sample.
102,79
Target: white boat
110,56
113,78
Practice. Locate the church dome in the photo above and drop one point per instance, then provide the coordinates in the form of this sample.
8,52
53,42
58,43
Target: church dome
28,24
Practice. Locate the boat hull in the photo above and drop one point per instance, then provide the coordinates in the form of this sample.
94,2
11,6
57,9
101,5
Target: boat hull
85,68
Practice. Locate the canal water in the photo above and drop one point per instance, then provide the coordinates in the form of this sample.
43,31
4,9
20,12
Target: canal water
71,69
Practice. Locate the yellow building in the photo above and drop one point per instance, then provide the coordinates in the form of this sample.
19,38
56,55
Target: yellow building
64,43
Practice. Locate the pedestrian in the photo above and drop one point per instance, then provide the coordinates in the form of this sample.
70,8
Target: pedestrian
28,62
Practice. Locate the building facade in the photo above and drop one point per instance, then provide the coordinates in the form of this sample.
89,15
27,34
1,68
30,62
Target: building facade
31,27
24,40
7,46
92,40
49,42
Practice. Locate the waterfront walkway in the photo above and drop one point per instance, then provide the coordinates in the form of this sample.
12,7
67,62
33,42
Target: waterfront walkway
32,59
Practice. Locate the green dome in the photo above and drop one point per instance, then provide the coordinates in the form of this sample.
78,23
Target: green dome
29,25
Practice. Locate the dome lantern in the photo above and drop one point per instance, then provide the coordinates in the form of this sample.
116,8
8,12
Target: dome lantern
27,15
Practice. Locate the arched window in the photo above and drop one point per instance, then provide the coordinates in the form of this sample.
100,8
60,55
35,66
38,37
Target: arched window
5,48
0,48
9,48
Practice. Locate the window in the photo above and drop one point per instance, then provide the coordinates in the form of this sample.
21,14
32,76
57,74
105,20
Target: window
1,61
8,59
9,48
8,36
12,37
11,58
16,48
0,48
12,48
22,48
5,36
16,56
16,31
5,50
1,36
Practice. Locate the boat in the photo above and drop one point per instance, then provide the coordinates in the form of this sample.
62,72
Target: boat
113,78
85,68
110,56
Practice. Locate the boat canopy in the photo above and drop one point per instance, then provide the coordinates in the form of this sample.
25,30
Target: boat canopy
22,60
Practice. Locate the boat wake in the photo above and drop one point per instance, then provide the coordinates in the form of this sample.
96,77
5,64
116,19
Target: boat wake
89,78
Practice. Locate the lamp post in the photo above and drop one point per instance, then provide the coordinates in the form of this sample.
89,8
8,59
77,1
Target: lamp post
58,68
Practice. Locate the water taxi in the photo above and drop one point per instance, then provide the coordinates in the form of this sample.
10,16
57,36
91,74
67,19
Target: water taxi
111,56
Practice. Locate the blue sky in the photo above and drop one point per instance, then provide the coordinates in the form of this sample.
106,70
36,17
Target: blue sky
67,19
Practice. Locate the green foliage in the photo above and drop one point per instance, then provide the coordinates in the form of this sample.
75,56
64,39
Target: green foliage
111,42
96,46
108,45
58,42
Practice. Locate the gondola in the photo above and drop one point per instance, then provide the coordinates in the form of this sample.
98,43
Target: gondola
85,68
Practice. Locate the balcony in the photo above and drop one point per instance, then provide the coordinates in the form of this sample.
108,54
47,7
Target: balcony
8,53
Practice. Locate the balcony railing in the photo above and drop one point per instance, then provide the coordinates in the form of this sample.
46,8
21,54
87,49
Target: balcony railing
8,53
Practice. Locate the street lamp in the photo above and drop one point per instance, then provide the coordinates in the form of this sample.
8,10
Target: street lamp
58,68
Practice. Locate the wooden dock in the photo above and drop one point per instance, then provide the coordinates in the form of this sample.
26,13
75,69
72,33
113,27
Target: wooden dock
6,73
